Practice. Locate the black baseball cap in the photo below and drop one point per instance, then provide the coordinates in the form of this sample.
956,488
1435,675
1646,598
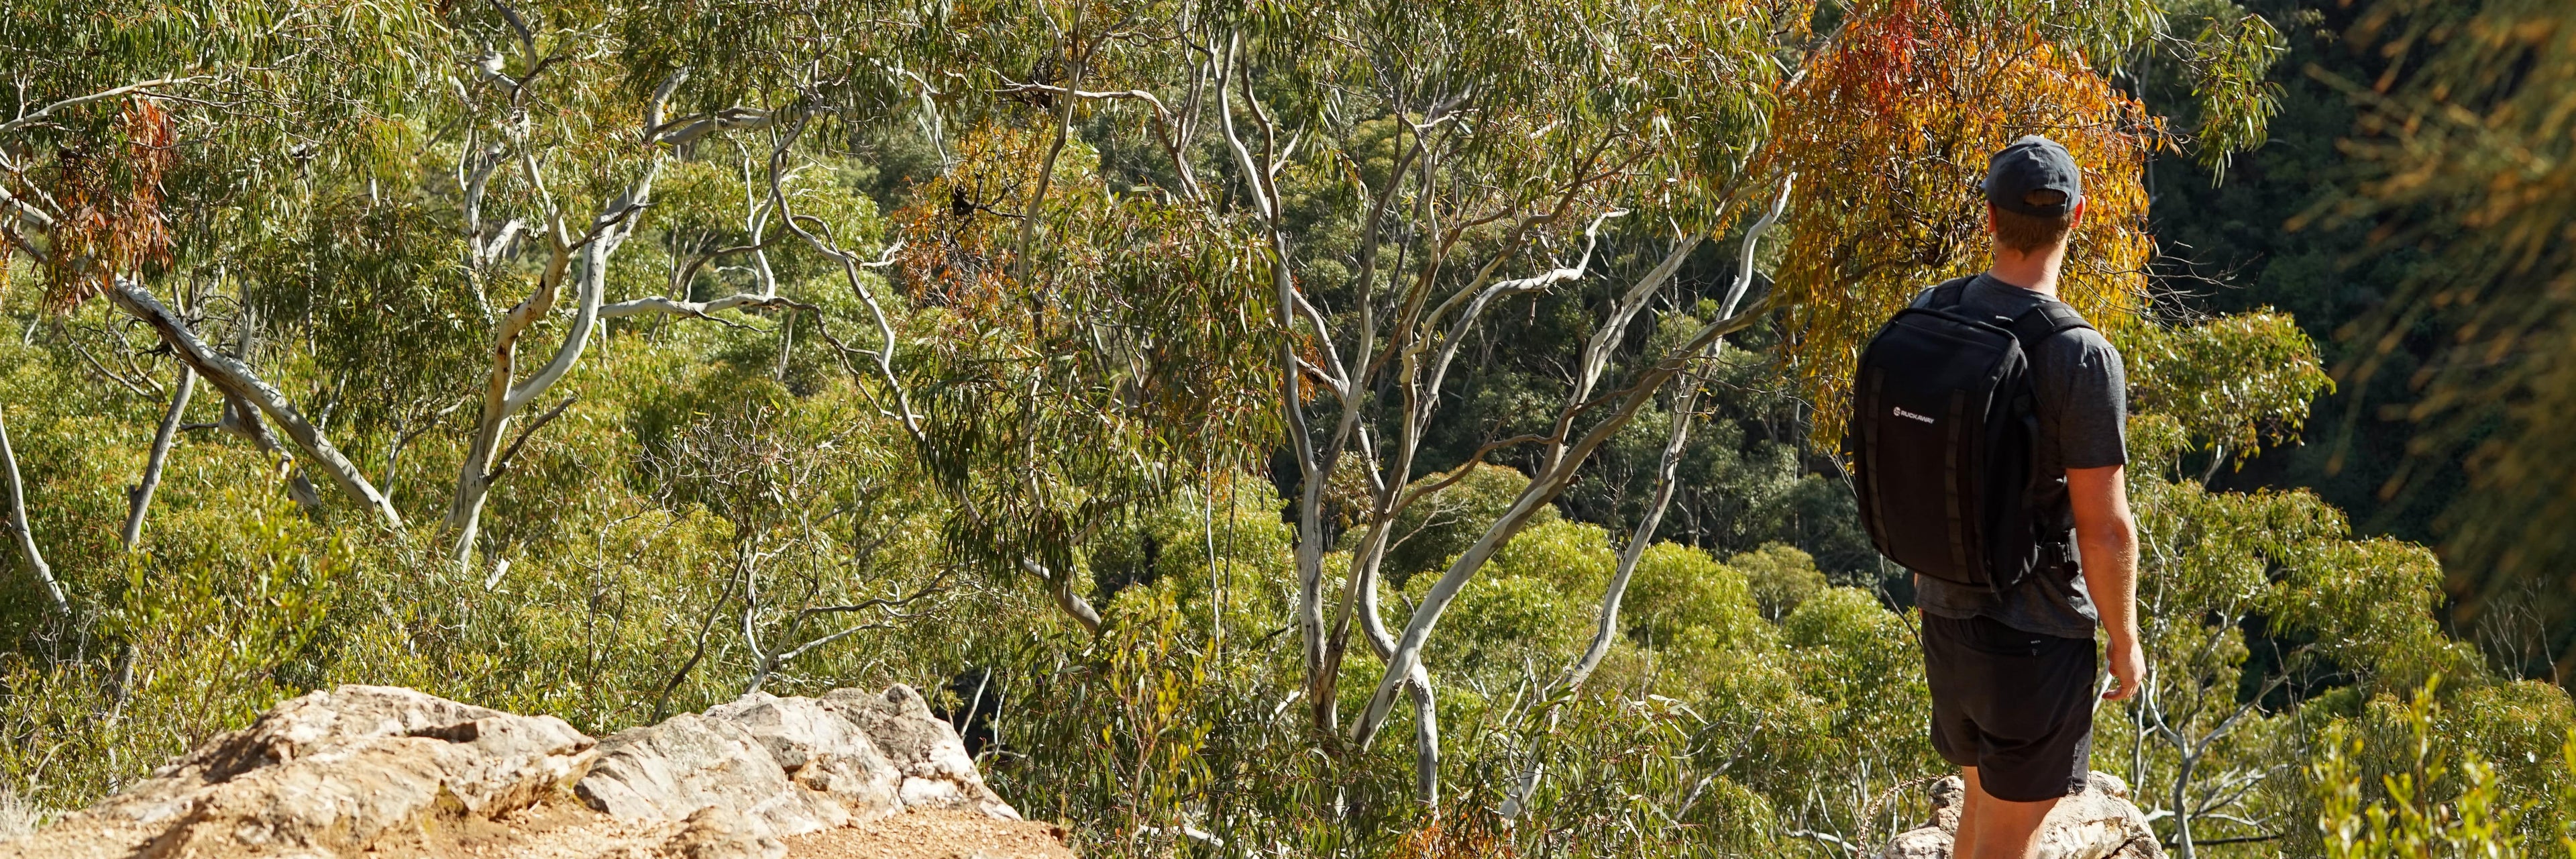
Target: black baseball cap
2033,163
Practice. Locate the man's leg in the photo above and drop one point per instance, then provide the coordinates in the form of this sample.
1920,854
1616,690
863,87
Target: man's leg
1991,828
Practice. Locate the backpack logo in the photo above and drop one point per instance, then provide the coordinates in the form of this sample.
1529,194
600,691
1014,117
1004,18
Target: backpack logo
1902,413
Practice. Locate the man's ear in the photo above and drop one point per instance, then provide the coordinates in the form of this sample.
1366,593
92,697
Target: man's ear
2076,221
1990,218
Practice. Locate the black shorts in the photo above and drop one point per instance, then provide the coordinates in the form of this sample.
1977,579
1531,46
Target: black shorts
2016,705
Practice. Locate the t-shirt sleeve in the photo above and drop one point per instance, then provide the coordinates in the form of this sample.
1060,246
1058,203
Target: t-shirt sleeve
2094,390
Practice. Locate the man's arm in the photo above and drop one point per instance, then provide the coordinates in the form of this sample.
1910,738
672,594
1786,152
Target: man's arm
2108,540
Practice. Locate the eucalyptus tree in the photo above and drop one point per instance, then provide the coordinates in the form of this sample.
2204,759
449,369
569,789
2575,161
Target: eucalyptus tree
1886,132
1406,168
1402,163
1683,412
1058,349
146,141
2466,148
2252,604
539,91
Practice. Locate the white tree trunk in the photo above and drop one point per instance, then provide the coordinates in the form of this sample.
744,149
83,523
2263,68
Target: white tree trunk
139,501
235,379
1550,482
1685,403
501,399
18,525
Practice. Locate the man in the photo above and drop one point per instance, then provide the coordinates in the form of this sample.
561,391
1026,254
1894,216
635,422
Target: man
2011,670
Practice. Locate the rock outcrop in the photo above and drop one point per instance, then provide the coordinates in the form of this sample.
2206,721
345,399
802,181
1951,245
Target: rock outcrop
933,762
2098,823
381,770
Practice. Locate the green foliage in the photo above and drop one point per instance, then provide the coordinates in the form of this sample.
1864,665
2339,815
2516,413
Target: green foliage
2237,381
1504,625
844,486
2390,788
1685,602
364,274
1782,577
1434,530
1134,327
1855,655
2228,62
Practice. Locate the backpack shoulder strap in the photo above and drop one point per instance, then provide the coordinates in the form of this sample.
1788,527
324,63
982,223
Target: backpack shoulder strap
2048,319
1945,296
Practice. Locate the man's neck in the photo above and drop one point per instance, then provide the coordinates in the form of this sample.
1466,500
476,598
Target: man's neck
2036,272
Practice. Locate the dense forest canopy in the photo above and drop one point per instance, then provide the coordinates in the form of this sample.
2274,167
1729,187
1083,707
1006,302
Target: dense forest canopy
1364,427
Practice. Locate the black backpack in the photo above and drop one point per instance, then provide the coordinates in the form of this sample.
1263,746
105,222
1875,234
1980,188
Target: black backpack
1943,442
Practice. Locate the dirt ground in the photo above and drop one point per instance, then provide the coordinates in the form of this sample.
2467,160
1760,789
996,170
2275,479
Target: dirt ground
556,830
934,835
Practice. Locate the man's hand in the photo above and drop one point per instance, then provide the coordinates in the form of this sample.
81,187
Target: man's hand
2128,669
2108,540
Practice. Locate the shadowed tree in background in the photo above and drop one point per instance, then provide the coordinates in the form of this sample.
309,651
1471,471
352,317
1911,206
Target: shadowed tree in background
2468,139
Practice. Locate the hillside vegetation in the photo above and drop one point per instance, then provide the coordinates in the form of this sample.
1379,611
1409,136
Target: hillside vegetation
1388,428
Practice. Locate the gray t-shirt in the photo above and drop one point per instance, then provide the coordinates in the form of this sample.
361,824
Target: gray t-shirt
2082,394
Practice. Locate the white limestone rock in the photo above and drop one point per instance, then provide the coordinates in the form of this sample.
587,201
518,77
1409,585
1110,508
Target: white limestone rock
339,774
936,770
326,774
820,751
2097,823
691,762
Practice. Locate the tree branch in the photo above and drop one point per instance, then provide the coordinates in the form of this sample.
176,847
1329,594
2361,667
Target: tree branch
501,464
699,309
139,500
1542,489
28,119
1060,586
236,379
18,526
1677,438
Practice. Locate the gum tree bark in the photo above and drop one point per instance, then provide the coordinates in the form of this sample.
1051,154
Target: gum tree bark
1685,405
503,400
584,258
139,499
236,380
242,419
18,525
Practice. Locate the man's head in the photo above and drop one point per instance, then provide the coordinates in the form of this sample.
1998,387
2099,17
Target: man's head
2034,195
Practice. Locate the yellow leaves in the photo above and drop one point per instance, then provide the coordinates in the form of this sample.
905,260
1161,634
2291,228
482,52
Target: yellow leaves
1893,123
